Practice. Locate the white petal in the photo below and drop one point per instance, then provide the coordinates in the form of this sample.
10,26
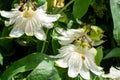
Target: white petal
84,72
46,20
65,51
18,28
6,14
72,73
114,74
93,67
29,28
16,32
68,36
39,33
92,51
61,63
64,60
63,40
50,18
47,25
75,63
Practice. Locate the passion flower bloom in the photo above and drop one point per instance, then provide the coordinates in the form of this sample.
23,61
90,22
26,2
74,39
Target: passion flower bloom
78,60
113,74
68,36
29,20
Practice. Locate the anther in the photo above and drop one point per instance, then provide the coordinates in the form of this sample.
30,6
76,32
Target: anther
83,57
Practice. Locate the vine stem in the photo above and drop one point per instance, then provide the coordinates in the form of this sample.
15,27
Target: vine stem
66,6
43,46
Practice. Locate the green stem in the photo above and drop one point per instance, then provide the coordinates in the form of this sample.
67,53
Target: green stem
43,46
66,6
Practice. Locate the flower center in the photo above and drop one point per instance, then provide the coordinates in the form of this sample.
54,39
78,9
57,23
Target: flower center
83,41
28,13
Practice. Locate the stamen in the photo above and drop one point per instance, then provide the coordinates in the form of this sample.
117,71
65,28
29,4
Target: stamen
34,7
21,8
27,1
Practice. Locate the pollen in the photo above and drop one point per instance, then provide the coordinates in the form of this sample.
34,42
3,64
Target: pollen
83,57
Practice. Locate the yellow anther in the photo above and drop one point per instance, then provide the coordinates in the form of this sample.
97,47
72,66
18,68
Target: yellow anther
35,3
21,3
85,44
59,3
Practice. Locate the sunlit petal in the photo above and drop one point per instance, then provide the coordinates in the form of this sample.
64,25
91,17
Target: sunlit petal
84,72
18,28
39,34
29,29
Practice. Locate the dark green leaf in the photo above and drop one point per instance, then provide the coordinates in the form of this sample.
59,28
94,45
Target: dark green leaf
5,5
6,44
113,53
80,7
55,44
40,2
25,64
44,71
115,9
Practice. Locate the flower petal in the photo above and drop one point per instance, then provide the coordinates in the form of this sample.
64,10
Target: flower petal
84,72
92,66
114,74
29,28
62,63
48,25
92,51
7,14
72,72
64,51
39,33
64,40
68,36
74,65
18,28
46,18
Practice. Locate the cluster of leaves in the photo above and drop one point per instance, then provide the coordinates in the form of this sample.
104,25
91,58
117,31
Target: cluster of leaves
21,58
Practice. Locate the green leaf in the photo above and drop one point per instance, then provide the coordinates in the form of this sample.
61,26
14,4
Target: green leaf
115,9
1,59
80,7
6,44
113,53
44,71
55,44
40,2
99,55
25,64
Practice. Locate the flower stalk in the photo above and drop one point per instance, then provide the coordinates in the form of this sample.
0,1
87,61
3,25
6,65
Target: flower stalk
43,46
65,7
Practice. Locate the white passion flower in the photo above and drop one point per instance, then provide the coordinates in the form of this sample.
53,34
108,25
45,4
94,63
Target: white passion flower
78,60
114,74
29,20
68,36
